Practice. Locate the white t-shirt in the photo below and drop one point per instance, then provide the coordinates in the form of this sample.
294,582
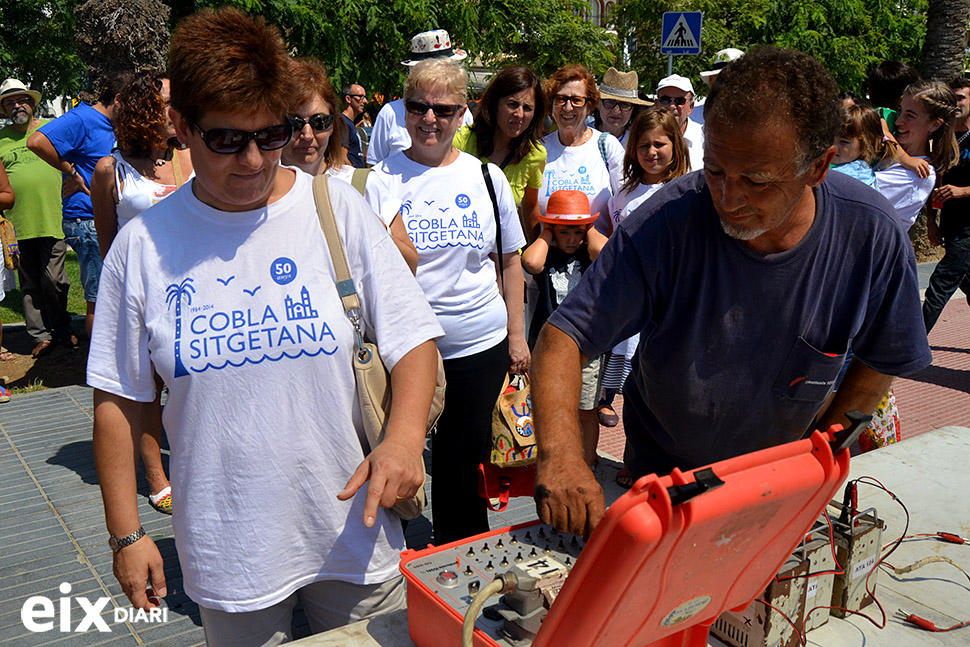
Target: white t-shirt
137,193
694,134
389,135
449,217
906,191
581,168
623,204
239,314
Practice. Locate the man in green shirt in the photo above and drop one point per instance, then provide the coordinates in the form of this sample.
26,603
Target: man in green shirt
37,218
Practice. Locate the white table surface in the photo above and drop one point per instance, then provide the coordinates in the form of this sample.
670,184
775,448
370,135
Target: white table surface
930,474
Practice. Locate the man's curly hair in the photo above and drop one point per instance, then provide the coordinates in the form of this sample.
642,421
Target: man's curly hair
140,116
776,85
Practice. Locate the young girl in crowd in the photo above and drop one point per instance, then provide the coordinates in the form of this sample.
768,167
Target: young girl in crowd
557,260
656,153
924,129
860,143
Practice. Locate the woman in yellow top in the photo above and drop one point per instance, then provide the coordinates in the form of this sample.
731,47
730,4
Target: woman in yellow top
507,132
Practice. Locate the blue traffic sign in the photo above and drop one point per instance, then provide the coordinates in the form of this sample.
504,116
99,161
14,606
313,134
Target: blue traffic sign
681,32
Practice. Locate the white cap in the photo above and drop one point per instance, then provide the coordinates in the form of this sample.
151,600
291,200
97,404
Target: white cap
676,81
721,59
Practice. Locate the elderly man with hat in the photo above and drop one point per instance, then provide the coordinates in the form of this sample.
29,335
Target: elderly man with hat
619,103
389,134
37,217
676,93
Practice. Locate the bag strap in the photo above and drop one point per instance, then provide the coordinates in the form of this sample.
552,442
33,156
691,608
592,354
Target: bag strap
498,223
177,168
345,282
359,179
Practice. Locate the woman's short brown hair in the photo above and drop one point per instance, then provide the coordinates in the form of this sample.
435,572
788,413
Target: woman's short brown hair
574,72
140,116
313,81
225,61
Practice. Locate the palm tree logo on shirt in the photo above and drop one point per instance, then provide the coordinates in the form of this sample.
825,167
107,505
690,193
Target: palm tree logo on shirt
176,291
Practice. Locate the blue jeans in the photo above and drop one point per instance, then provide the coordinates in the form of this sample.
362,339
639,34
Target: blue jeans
80,234
951,273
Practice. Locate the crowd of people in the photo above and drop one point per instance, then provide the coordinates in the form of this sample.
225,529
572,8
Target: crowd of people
737,292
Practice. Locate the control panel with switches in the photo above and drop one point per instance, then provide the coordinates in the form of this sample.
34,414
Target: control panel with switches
537,554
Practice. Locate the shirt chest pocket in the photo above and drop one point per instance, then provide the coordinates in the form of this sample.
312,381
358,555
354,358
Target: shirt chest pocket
808,374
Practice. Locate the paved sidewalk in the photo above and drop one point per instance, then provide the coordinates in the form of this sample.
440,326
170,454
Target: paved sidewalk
52,529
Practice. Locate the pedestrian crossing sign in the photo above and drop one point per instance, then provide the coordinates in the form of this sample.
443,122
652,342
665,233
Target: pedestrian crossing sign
681,33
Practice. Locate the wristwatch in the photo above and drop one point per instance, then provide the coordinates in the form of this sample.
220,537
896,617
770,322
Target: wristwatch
117,543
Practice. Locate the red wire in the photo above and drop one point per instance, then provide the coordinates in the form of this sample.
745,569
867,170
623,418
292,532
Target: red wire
841,570
801,636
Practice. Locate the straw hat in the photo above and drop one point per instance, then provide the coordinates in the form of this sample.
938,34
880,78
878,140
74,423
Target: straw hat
12,87
621,86
432,44
568,208
721,59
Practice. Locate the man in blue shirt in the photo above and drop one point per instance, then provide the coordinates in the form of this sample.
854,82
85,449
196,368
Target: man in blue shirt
752,280
73,144
355,98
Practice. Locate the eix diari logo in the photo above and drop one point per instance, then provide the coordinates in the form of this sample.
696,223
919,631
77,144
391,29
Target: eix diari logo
39,612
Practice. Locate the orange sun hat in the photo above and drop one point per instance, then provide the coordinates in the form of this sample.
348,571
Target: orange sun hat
568,208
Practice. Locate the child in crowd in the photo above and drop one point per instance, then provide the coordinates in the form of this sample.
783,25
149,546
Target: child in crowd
860,144
656,153
557,260
887,82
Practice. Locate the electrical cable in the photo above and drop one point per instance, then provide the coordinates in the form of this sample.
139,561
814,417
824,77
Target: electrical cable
840,571
494,587
801,635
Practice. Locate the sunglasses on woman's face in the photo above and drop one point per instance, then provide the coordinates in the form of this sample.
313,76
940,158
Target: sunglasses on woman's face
440,109
319,122
228,141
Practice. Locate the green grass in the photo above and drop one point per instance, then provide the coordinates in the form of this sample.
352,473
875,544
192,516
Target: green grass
12,308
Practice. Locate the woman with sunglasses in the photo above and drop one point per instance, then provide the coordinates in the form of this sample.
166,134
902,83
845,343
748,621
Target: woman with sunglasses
619,104
148,166
227,290
313,150
507,132
443,197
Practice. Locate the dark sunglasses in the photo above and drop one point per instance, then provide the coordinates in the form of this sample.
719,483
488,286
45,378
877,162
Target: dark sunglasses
319,122
677,101
624,106
440,109
228,141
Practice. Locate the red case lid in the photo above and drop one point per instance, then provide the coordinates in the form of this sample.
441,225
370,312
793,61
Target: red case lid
654,573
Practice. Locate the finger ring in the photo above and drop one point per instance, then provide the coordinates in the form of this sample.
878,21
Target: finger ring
401,497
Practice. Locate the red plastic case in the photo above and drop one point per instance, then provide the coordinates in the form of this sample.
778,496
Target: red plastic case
654,573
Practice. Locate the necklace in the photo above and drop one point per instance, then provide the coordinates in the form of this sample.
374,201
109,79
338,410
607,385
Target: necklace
962,137
165,158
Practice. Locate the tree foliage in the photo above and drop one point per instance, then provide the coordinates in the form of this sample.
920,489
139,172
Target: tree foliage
847,36
364,41
37,46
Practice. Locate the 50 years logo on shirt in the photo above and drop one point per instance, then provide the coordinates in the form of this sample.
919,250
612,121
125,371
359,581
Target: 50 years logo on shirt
431,226
239,325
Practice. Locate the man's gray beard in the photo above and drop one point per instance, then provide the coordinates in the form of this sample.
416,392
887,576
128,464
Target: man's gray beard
738,232
20,117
